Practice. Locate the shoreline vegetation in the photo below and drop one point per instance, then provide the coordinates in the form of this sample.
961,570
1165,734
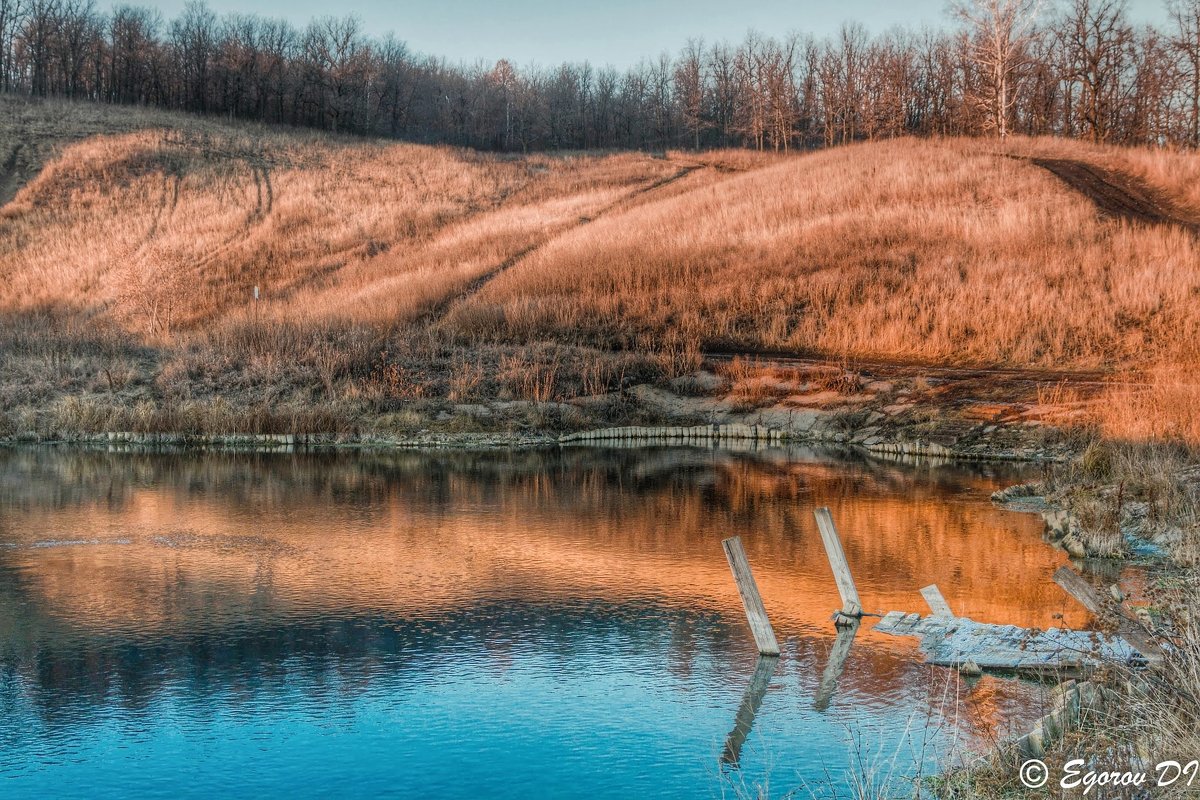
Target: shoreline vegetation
1111,499
172,278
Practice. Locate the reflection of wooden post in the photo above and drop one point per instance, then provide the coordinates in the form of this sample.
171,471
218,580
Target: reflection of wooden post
937,603
833,668
751,702
1127,626
851,605
756,613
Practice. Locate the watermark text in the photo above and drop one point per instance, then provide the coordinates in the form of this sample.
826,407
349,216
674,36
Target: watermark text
1078,775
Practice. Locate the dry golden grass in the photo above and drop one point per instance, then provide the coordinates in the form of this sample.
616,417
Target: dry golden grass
171,229
33,132
940,251
1165,406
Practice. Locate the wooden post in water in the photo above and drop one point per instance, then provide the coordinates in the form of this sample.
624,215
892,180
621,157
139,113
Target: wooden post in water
851,605
751,702
937,604
756,613
834,666
1129,628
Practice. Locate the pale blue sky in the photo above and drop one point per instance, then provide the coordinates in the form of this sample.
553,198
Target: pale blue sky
615,32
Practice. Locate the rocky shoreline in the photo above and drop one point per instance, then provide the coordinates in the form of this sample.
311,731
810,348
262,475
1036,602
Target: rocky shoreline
971,445
885,424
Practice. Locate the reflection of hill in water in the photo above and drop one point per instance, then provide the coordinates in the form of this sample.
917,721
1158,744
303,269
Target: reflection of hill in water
226,564
57,478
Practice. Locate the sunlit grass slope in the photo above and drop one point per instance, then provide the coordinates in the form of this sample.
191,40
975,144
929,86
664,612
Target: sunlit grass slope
925,250
171,228
392,272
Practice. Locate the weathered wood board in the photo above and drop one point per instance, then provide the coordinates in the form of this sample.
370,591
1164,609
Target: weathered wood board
936,602
756,613
851,604
1127,625
951,641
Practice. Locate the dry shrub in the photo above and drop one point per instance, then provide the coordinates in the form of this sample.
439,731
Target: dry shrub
1096,462
75,414
526,377
753,383
601,375
8,425
842,380
1099,524
676,353
392,380
81,416
466,378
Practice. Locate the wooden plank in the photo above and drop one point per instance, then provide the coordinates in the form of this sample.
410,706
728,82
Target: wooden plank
1127,626
756,613
851,605
951,641
748,710
937,604
834,667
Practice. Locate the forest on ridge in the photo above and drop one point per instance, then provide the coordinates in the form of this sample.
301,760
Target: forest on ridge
1072,68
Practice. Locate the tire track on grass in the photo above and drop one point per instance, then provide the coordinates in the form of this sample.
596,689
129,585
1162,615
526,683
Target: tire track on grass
440,311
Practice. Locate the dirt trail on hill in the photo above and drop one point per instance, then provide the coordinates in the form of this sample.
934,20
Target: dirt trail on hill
1118,195
441,310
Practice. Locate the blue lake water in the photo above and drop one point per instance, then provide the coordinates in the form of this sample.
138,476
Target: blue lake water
467,625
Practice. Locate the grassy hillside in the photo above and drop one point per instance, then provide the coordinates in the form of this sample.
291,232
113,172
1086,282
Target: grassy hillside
391,272
168,229
935,251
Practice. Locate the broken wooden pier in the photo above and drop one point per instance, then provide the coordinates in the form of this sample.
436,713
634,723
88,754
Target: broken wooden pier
952,641
958,641
851,609
972,647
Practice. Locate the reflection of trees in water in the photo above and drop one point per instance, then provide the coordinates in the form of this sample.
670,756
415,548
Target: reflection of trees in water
63,669
57,478
65,673
663,502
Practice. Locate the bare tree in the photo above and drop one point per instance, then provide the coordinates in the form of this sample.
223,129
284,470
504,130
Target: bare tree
690,87
726,95
1185,41
1089,73
1096,41
193,36
1147,116
132,34
997,38
12,17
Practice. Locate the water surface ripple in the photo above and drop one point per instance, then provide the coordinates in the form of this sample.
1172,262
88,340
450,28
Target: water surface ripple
465,625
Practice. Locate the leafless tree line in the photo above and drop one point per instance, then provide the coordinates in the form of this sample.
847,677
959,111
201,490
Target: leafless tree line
1077,68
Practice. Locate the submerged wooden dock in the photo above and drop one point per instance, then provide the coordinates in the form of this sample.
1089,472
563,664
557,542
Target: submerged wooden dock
951,641
957,641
